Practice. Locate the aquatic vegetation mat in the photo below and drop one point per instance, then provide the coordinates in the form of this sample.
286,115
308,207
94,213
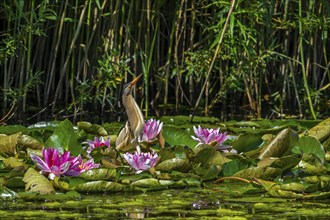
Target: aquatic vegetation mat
277,159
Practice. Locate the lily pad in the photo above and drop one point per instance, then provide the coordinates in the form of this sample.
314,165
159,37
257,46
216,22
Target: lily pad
35,182
90,128
178,164
234,166
8,144
6,193
281,144
321,131
65,138
247,142
266,173
99,186
13,129
176,136
309,144
99,174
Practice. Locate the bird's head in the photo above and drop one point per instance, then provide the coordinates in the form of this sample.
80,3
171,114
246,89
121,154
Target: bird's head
129,86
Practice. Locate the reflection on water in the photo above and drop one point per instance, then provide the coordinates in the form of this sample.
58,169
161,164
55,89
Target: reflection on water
166,204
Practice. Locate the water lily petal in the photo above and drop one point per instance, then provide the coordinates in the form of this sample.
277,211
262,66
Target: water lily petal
40,163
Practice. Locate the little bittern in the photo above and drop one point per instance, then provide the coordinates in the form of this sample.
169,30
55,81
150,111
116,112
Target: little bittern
132,133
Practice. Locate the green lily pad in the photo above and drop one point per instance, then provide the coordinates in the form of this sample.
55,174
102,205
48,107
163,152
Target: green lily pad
99,186
65,138
309,144
265,173
247,142
99,174
35,182
6,193
208,155
176,136
281,144
93,129
15,182
13,129
321,131
12,162
29,142
285,162
178,164
234,166
148,183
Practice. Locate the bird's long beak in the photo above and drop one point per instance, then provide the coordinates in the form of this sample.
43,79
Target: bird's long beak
134,81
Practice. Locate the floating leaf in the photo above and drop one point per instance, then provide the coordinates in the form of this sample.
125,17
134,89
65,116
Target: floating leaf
44,125
8,144
247,124
17,171
247,142
6,193
93,129
182,151
110,163
13,129
321,131
128,178
29,142
234,166
15,182
176,136
99,174
166,153
309,144
265,173
313,165
65,138
266,184
177,164
326,144
147,183
187,182
35,182
176,175
13,162
84,125
211,172
209,156
283,163
99,186
281,144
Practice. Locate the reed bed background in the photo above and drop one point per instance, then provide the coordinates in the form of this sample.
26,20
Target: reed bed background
259,58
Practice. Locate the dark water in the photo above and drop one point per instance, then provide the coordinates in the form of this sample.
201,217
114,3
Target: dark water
194,203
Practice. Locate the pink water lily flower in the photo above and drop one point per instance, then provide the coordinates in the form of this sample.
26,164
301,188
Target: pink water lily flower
209,136
56,164
53,162
141,161
77,166
152,128
98,142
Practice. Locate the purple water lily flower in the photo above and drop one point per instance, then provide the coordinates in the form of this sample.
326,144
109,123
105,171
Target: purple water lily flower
77,166
98,142
53,162
209,136
152,128
141,161
57,164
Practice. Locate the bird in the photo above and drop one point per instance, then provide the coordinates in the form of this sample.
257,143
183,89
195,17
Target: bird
131,134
